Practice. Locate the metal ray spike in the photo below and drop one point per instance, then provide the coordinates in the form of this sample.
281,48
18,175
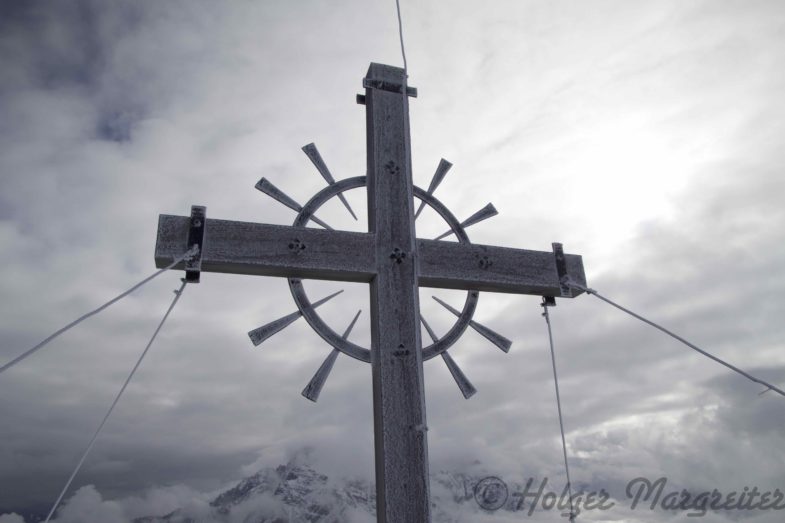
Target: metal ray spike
351,326
312,152
428,328
267,187
492,336
467,389
483,214
265,331
438,176
314,387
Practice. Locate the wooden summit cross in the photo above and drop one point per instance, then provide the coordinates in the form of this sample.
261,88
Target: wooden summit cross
395,263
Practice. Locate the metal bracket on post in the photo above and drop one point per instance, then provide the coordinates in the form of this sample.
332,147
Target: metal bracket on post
198,224
548,301
386,85
561,269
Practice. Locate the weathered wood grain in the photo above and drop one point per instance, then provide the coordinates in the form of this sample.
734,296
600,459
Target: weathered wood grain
451,265
259,249
271,250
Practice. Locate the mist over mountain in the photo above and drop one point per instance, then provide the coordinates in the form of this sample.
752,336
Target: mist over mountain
296,491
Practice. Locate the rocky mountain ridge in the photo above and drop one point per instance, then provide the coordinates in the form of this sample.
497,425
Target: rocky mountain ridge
296,492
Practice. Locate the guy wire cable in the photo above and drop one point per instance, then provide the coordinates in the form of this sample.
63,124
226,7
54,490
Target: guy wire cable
178,293
568,281
558,407
189,254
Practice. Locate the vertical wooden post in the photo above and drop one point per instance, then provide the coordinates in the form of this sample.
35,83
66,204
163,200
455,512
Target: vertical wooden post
400,437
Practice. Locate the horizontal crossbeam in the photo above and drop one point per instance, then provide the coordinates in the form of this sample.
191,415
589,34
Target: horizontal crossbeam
451,265
298,252
271,250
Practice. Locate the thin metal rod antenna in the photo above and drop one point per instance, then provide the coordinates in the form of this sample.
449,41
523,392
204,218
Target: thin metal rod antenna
438,176
483,214
312,153
587,290
489,334
178,293
275,193
314,387
260,334
400,34
547,317
191,252
467,389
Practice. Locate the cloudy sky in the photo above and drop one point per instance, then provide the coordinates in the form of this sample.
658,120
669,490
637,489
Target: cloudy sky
646,136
